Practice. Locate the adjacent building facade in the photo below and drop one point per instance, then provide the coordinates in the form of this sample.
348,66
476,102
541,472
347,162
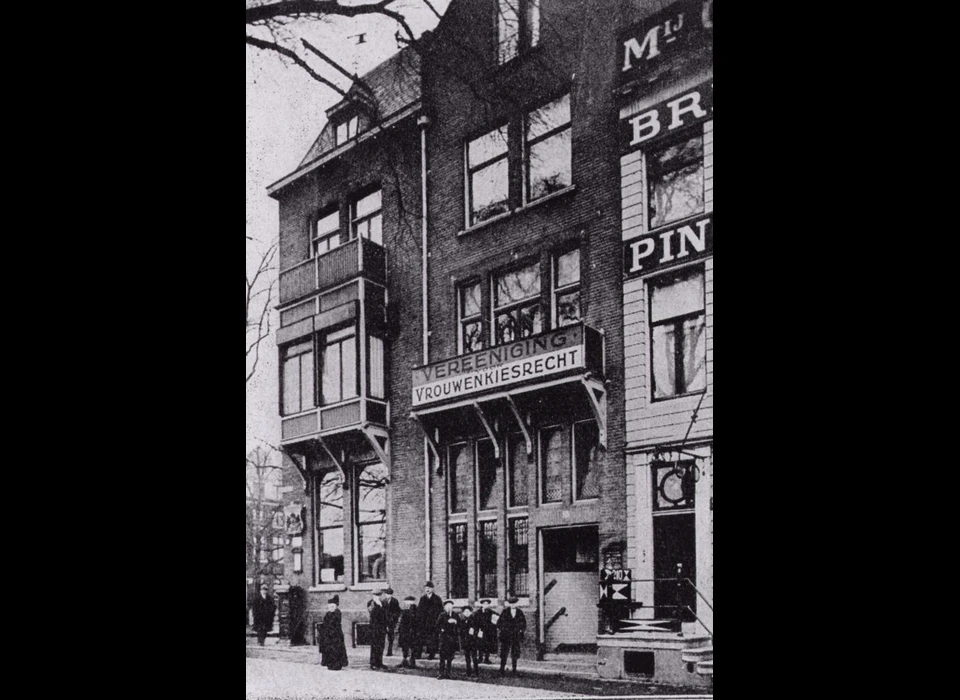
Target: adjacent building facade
496,321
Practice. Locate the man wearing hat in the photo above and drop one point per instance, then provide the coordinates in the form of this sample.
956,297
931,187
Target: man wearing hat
392,607
510,629
428,610
488,630
448,633
408,632
378,629
332,647
471,636
263,611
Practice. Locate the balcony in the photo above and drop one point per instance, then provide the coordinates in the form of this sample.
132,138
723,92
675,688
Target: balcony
357,258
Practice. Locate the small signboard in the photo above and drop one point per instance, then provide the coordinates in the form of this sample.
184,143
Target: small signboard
615,585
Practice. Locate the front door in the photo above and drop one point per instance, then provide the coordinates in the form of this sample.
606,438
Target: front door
674,542
570,569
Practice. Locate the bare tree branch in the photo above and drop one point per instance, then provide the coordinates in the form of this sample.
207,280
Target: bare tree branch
283,51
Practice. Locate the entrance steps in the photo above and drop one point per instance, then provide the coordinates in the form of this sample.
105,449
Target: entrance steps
655,648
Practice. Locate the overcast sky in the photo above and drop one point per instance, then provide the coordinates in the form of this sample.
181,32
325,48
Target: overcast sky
285,113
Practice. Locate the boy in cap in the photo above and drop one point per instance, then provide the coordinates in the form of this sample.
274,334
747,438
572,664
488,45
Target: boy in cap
332,646
488,630
510,629
428,610
448,630
471,635
408,632
392,607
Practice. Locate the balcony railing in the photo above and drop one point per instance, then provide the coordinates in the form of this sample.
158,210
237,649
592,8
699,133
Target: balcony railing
352,259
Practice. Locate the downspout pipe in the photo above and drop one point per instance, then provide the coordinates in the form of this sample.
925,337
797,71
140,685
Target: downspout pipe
423,122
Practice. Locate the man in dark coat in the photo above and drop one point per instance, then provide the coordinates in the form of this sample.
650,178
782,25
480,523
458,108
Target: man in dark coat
488,642
392,607
510,629
408,632
448,633
332,646
428,610
263,611
471,636
378,630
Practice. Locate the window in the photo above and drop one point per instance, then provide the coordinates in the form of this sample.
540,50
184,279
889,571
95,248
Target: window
566,288
487,560
276,550
516,301
377,383
329,509
346,130
471,324
339,380
459,466
518,557
675,181
517,448
554,455
326,233
371,522
487,176
548,149
458,561
298,378
586,463
367,220
518,27
678,334
296,547
490,488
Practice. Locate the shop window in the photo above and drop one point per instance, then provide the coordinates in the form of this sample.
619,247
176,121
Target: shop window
326,233
489,486
674,485
566,288
339,377
329,519
377,381
554,456
675,181
458,561
518,562
586,463
487,176
298,378
517,461
678,334
371,522
516,301
460,464
367,218
471,323
548,154
487,559
347,129
518,27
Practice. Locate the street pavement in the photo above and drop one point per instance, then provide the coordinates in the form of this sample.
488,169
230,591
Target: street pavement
268,679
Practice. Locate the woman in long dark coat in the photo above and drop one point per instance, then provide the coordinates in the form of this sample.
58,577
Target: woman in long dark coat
332,646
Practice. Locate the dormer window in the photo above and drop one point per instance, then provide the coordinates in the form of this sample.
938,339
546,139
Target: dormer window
347,129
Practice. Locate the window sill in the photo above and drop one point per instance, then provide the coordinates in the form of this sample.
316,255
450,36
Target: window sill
519,210
368,585
678,396
326,587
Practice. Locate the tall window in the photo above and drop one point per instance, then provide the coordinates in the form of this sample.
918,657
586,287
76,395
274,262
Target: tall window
518,557
517,449
516,301
326,233
678,334
487,176
471,324
586,463
458,561
548,149
554,455
367,219
298,378
487,560
371,522
377,368
346,130
276,549
675,181
339,380
329,495
518,27
566,288
460,463
488,476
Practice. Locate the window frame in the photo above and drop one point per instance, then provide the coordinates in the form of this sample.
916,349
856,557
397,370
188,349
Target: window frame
528,143
662,280
332,234
358,575
493,560
685,134
557,291
574,462
325,343
536,300
476,470
320,529
541,464
311,341
511,454
451,481
510,560
452,530
463,321
470,171
356,221
348,122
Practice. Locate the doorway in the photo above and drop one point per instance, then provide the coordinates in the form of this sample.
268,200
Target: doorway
571,569
674,543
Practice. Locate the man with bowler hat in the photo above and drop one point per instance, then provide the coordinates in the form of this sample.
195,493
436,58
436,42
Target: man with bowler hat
392,607
428,610
510,629
378,629
263,611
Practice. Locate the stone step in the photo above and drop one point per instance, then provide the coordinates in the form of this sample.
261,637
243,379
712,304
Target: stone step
705,668
695,654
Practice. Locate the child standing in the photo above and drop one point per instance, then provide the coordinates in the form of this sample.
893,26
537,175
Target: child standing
407,632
